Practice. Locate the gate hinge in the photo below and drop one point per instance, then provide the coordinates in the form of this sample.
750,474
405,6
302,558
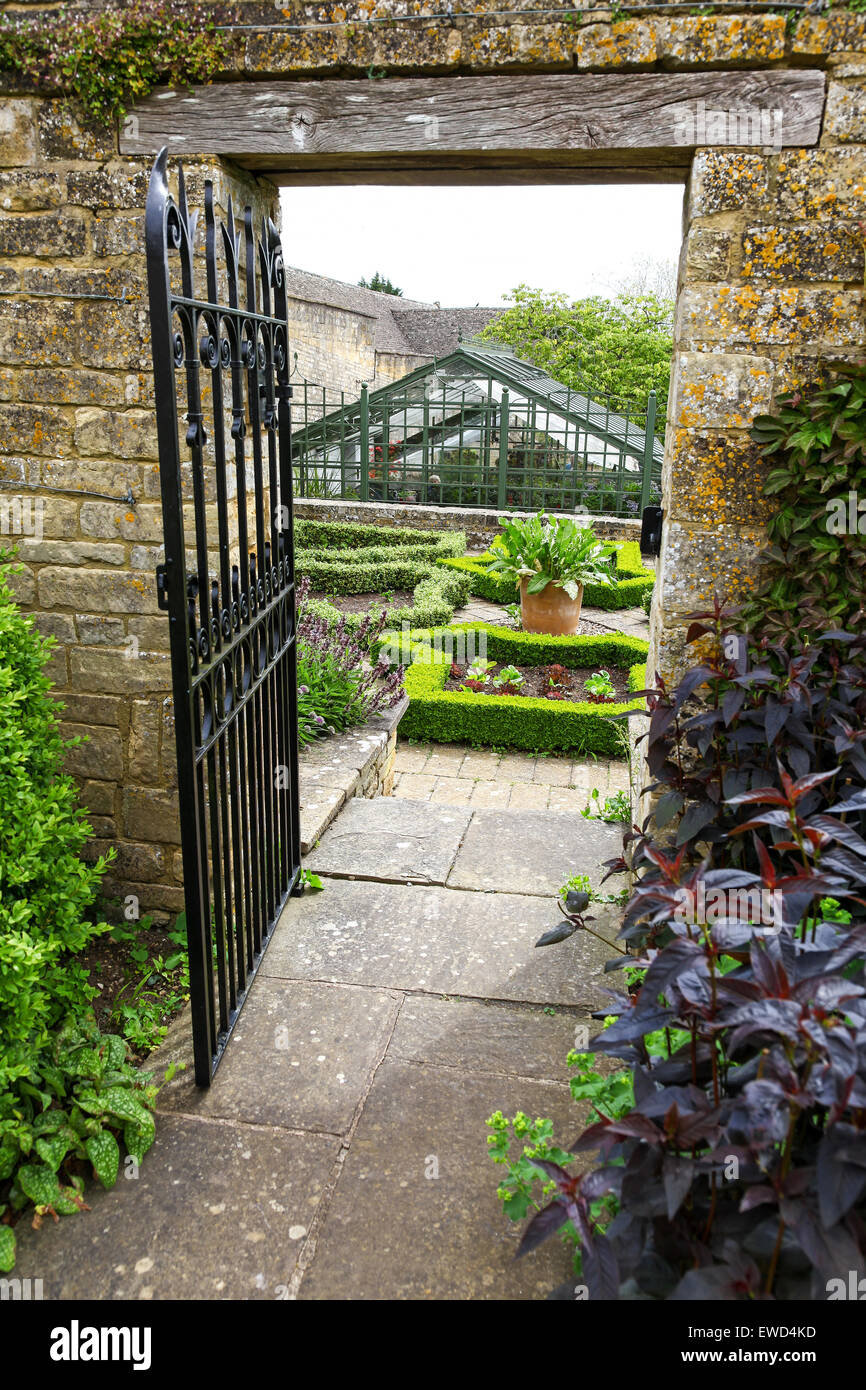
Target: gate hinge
161,588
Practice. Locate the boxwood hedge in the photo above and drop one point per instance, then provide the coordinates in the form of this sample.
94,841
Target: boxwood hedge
633,579
517,721
345,558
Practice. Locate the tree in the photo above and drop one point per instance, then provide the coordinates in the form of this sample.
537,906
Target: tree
650,275
380,283
617,348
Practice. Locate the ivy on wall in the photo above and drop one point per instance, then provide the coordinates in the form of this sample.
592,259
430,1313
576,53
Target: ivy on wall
112,59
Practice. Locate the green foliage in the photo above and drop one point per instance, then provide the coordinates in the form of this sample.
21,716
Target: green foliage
815,565
549,550
154,987
534,1140
61,1082
81,1100
354,562
613,809
621,347
110,59
633,580
600,683
516,721
381,283
580,883
45,889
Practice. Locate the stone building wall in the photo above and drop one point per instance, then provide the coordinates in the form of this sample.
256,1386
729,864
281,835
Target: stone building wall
771,279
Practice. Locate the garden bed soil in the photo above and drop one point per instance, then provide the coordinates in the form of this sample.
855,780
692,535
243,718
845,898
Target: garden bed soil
110,966
570,686
362,603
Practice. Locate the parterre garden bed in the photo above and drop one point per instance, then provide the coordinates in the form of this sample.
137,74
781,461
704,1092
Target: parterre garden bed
518,721
350,559
633,580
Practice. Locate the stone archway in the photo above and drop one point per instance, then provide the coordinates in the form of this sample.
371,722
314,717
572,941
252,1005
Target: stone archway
771,280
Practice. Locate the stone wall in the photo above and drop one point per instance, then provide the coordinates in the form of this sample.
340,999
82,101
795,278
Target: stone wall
771,280
480,526
77,429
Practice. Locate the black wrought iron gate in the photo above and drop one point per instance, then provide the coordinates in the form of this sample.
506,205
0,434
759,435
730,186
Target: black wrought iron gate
221,374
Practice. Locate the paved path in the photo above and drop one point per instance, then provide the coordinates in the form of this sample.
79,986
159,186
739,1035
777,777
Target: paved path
634,621
341,1151
452,775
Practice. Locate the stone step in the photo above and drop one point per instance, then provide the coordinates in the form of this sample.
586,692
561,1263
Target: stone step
397,840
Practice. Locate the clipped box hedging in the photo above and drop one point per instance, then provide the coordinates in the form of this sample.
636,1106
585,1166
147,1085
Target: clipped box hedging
355,535
517,721
348,558
633,579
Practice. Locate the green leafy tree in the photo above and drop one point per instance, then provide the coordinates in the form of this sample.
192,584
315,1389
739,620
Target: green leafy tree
380,283
618,347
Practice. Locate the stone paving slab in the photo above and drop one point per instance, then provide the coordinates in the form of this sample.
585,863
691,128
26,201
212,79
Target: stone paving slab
392,1232
531,852
387,838
438,941
318,809
301,1057
218,1211
482,1037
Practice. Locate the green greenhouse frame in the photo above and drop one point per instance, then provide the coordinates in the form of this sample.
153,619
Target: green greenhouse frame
478,428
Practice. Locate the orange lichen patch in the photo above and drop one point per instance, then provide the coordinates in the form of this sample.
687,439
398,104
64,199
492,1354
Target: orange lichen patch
803,253
836,33
718,478
702,39
612,45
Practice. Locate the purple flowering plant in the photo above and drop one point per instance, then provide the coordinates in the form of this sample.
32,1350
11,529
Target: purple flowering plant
338,685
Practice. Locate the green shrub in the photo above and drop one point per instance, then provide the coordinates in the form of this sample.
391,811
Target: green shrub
355,535
345,559
517,721
64,1089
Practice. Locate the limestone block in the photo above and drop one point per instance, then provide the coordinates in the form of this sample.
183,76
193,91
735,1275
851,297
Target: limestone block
845,118
100,754
727,180
716,39
730,316
119,671
820,183
151,816
97,591
28,190
18,137
720,390
42,234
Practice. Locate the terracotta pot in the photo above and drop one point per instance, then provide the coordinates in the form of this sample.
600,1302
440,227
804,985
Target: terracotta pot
551,610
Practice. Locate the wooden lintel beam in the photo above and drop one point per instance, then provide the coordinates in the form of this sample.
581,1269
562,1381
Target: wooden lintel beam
570,121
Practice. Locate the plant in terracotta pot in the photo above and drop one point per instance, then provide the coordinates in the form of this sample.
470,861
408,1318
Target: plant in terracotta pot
550,560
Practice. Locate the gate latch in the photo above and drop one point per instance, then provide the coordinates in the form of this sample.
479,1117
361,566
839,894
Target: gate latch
161,589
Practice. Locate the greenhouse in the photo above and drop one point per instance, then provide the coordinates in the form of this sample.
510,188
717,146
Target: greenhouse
479,428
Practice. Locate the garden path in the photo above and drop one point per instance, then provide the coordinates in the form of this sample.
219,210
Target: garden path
341,1151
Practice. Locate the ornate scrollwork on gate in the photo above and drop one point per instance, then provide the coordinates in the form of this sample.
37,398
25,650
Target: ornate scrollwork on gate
221,377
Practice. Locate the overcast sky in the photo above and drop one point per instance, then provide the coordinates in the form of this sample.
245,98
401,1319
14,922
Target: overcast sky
465,246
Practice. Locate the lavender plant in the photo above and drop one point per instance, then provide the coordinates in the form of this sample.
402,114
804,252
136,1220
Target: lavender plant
338,684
